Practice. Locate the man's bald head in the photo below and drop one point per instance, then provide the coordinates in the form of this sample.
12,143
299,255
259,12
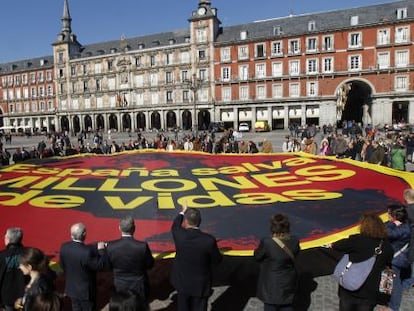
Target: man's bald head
78,231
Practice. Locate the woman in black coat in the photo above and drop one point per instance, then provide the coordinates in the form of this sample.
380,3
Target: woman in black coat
34,263
360,247
278,278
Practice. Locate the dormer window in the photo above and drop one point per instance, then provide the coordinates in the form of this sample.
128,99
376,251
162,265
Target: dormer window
312,26
277,30
401,13
243,35
156,43
187,40
141,46
354,20
171,41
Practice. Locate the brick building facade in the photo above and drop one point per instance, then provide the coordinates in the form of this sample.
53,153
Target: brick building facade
352,64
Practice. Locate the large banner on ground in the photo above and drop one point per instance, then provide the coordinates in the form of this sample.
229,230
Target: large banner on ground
237,194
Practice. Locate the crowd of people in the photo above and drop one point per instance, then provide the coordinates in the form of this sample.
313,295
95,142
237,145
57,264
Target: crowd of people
61,144
387,148
391,149
390,241
27,281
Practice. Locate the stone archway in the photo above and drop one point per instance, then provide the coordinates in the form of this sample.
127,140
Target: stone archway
141,121
88,123
171,120
64,124
126,122
204,119
186,120
76,124
100,122
155,120
354,102
113,122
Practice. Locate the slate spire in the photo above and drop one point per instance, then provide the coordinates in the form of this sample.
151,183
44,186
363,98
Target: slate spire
66,19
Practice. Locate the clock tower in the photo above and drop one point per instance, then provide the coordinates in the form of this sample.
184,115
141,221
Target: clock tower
204,29
206,16
64,47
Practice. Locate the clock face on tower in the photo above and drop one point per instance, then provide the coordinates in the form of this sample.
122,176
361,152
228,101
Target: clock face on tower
201,11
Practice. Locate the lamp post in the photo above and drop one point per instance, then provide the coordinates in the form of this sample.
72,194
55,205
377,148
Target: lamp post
194,85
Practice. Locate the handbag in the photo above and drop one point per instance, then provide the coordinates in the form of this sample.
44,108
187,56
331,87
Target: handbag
387,281
388,275
352,275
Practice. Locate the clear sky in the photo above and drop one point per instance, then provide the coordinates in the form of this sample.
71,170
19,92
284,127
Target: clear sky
29,27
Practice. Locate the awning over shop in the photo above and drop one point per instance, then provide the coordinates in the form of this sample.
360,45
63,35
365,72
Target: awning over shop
278,113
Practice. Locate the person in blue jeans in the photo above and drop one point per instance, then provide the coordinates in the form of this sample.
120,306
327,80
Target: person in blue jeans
399,235
408,195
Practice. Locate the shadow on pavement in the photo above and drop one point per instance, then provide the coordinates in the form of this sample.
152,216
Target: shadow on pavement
237,274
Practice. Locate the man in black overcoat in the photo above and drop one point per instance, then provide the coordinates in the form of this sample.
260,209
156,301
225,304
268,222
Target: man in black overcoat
129,259
80,263
196,253
12,280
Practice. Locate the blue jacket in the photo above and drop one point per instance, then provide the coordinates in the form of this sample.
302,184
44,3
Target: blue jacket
399,236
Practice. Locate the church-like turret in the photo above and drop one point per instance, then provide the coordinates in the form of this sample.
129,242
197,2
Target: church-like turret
66,35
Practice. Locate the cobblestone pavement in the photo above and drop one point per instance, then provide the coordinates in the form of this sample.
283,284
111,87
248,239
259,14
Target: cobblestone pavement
324,298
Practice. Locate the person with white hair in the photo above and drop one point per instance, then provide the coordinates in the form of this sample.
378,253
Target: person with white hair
12,282
80,262
130,259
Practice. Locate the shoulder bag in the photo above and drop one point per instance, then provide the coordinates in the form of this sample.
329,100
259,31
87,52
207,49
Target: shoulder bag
284,247
352,275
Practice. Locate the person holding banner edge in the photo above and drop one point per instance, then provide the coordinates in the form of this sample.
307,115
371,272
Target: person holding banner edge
399,234
360,247
196,253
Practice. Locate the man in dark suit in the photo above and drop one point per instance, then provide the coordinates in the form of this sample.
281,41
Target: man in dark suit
80,263
12,280
129,259
196,253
